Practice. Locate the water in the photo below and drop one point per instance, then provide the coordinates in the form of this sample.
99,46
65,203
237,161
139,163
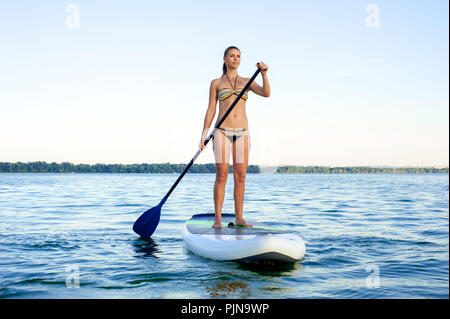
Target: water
366,235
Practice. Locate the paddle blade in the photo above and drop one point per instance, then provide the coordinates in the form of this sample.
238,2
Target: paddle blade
146,224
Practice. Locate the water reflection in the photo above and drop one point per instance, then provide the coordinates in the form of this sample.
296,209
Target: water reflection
270,267
222,288
231,284
145,247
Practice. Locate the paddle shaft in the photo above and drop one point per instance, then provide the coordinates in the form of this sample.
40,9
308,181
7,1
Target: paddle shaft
212,133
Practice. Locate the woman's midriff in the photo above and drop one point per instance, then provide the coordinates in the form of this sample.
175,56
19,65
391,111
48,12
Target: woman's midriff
236,118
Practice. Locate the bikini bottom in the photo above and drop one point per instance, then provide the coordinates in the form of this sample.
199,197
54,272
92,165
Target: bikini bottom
234,133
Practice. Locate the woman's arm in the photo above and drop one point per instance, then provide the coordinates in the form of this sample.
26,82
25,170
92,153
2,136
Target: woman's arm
210,112
265,89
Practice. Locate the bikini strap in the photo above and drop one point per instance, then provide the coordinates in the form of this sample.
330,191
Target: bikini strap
233,87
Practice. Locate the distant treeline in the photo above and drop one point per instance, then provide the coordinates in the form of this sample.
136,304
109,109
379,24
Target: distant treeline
358,169
66,167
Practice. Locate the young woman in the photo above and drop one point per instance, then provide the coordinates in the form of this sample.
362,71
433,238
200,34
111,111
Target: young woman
233,135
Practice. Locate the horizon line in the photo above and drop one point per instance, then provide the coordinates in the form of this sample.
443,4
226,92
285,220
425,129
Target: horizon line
266,166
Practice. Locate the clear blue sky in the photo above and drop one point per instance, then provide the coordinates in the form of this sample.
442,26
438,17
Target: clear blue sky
130,84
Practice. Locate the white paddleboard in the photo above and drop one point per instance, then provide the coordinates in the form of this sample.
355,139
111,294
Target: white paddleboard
242,244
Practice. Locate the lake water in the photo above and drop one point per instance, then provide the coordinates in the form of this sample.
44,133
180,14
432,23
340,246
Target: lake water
366,235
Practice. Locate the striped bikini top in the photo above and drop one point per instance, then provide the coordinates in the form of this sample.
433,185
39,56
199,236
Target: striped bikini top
226,93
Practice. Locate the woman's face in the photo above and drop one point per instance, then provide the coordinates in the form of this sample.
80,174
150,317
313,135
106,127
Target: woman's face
233,58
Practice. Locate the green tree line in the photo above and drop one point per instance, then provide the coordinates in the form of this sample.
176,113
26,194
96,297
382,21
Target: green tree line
66,167
358,169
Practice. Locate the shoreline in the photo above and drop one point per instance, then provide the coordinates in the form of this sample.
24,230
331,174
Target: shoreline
168,168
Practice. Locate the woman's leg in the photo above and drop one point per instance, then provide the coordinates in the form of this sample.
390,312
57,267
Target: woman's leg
221,146
241,149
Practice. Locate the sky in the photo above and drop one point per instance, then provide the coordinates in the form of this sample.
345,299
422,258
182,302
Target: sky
353,83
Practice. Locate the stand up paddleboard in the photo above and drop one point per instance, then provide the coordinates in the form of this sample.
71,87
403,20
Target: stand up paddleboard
240,244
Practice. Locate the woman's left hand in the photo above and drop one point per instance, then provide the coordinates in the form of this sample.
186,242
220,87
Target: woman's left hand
263,67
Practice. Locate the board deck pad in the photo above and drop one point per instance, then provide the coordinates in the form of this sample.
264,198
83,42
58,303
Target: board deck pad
201,224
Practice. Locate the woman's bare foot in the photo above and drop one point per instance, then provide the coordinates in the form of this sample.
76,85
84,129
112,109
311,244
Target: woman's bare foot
242,222
217,224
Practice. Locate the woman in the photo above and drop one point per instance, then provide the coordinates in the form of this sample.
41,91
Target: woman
233,135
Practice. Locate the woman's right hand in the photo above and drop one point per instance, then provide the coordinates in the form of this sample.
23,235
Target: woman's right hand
201,146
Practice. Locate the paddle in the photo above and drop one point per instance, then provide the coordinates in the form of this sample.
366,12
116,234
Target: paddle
146,224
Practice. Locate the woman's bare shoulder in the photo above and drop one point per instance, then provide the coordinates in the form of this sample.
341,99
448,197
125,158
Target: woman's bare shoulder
245,80
215,84
216,81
